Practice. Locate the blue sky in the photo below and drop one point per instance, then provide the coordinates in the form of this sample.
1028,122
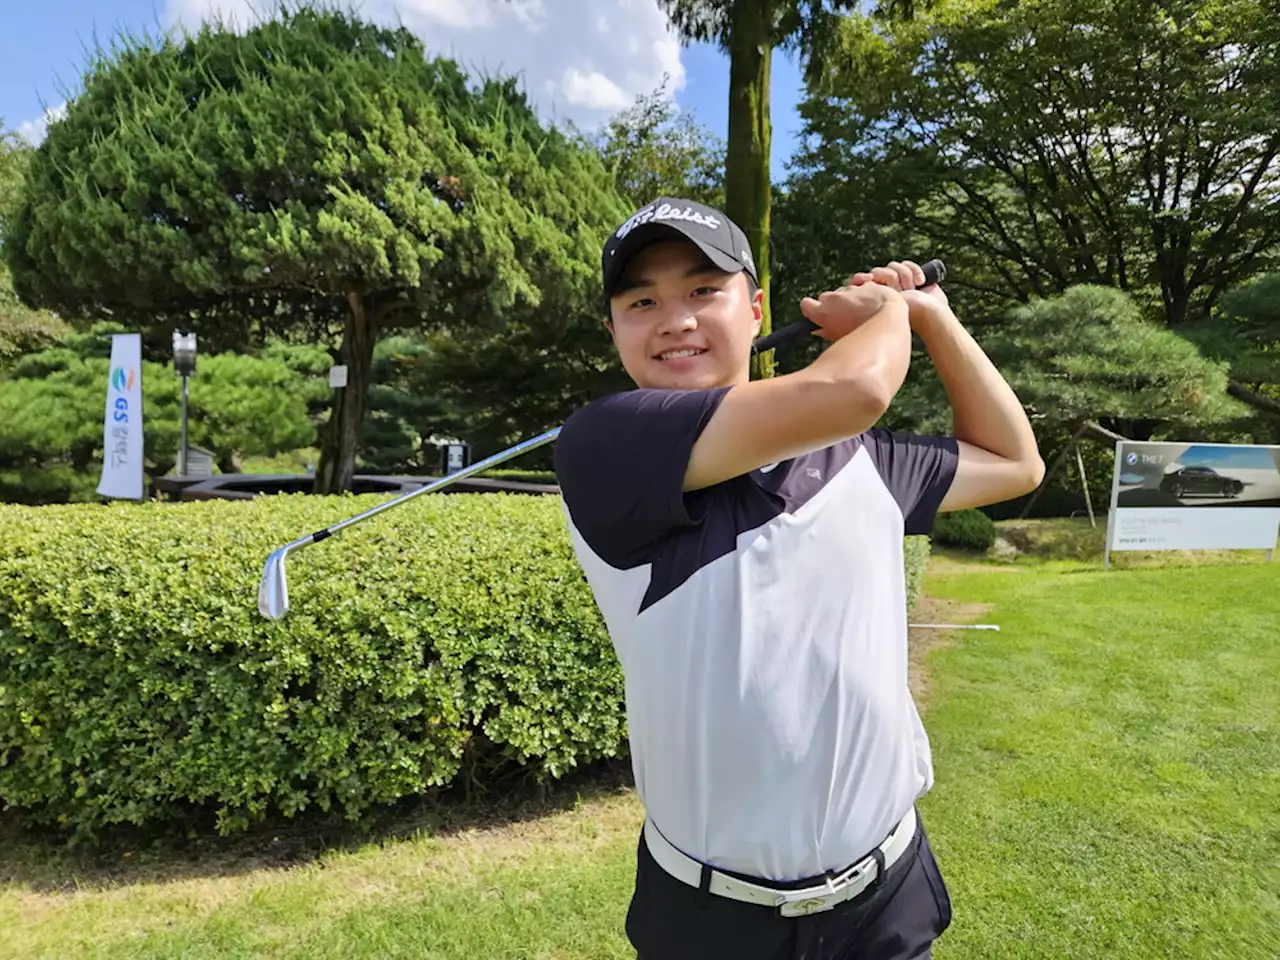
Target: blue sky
43,50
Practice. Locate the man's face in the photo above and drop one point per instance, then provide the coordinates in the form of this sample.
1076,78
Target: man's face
680,323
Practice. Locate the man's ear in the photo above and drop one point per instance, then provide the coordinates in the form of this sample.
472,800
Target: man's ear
757,310
608,325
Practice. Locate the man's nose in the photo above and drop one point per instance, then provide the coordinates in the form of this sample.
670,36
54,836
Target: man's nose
678,320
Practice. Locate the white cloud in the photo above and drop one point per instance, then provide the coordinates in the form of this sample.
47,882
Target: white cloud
568,69
593,91
33,131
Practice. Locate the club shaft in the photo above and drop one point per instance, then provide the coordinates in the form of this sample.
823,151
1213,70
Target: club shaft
953,626
478,467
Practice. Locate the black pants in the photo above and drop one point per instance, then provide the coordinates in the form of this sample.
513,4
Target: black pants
897,919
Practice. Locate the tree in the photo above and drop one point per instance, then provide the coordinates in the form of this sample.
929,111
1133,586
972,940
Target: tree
312,172
1050,143
655,151
1245,333
21,329
1089,356
407,408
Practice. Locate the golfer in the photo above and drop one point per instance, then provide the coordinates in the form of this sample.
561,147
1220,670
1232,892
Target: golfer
744,542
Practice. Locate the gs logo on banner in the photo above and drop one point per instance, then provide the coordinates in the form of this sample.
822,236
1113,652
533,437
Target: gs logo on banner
121,381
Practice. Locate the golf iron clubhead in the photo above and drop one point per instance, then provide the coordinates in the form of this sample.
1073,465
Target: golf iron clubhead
273,590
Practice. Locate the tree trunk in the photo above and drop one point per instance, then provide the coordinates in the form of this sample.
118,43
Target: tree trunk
231,461
338,448
748,189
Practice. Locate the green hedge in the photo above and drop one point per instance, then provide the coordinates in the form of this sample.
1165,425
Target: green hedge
916,553
452,637
966,530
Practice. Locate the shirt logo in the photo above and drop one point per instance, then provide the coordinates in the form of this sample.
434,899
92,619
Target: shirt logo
814,473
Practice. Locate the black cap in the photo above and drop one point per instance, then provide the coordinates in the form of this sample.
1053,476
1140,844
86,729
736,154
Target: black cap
709,229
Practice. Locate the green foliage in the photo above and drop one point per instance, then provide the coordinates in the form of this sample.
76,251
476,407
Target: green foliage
1247,335
965,530
1044,144
654,151
1256,308
136,675
1090,355
51,403
21,329
915,556
454,638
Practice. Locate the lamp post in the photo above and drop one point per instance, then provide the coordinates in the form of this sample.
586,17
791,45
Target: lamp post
184,362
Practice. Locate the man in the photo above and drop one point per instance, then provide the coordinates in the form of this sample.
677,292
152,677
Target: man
743,540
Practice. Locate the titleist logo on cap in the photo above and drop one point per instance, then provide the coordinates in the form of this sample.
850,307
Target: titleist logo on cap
666,212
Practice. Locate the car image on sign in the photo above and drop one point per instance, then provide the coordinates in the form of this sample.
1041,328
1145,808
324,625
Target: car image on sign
1200,480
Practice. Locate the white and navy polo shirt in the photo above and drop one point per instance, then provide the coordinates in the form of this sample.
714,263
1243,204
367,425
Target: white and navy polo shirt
761,625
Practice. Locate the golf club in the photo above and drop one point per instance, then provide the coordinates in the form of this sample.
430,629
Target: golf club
273,590
954,626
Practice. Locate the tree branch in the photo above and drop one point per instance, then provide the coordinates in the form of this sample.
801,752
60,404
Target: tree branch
1253,398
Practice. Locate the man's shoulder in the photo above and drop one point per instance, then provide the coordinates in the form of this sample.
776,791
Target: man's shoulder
634,416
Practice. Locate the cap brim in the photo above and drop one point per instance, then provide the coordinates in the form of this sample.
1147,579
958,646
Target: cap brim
648,233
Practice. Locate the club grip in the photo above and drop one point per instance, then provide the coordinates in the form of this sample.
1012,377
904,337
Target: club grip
935,271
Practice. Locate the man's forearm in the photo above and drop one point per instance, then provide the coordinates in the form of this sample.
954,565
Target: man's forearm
986,411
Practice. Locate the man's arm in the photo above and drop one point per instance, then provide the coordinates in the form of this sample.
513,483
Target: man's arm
998,456
841,394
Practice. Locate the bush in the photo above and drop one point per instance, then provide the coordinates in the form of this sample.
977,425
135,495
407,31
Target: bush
965,529
916,550
455,637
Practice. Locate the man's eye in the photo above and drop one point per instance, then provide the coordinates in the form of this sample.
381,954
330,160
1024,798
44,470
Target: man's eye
702,290
642,302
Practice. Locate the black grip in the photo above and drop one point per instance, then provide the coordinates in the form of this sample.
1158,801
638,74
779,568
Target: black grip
935,271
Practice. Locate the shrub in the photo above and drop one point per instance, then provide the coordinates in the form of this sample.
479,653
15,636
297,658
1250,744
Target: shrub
454,637
965,529
916,553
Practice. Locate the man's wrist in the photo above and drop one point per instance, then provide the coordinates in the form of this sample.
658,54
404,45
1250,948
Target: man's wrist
929,321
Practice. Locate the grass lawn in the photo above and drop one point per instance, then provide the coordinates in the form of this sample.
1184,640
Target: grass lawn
1108,787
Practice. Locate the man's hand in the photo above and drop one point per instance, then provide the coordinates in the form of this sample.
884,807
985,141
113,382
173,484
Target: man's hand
839,312
925,304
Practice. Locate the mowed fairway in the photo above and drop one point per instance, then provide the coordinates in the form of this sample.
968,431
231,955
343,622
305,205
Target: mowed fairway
1109,765
1108,786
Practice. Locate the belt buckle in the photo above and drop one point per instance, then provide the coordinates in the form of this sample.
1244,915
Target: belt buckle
803,903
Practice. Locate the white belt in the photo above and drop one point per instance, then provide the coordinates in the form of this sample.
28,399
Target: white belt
789,903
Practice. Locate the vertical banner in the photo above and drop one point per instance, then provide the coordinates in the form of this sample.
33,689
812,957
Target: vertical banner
122,425
1194,496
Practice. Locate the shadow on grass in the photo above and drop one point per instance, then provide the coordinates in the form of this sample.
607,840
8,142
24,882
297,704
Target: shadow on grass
41,859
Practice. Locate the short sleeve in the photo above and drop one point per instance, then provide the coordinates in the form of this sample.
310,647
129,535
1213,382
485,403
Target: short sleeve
918,470
621,461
